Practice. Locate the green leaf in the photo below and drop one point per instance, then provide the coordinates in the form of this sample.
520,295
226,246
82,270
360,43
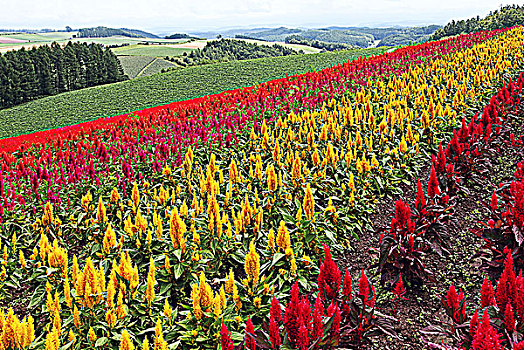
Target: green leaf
101,341
178,270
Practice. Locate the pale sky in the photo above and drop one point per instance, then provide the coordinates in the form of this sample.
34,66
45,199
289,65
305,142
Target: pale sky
193,15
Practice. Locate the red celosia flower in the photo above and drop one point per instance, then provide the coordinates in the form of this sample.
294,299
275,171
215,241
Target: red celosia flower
452,299
494,205
363,286
433,189
292,314
317,330
519,346
506,286
399,290
250,343
519,303
487,295
329,277
276,312
420,202
303,337
509,318
441,160
225,338
334,311
304,311
486,337
347,290
473,324
274,333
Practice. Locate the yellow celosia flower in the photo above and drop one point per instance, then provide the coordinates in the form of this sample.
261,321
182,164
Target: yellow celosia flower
22,260
71,337
145,344
76,317
217,306
115,196
252,264
150,289
271,240
86,201
309,203
101,212
52,340
88,286
230,282
135,195
272,181
283,239
91,335
177,229
256,302
160,343
47,218
57,257
126,343
109,240
168,311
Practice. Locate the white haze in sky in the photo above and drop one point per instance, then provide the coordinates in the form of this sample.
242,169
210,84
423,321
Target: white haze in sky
188,15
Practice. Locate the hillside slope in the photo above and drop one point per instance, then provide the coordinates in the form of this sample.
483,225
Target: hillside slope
88,104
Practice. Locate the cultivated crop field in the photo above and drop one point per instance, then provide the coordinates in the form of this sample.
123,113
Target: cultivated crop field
88,104
132,65
331,209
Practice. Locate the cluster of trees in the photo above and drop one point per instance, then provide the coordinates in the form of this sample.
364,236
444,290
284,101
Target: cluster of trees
325,46
180,36
225,50
506,16
26,75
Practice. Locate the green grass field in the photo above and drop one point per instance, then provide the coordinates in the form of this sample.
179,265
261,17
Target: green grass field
150,50
88,104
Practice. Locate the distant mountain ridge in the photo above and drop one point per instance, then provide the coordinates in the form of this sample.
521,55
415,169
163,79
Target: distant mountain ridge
356,36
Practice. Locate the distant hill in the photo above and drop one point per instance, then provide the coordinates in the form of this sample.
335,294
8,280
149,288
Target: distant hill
354,36
103,32
507,16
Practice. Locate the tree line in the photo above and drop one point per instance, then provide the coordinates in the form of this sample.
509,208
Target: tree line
297,39
224,50
506,16
26,75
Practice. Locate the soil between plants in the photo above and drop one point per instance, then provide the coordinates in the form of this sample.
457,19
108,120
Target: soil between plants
423,306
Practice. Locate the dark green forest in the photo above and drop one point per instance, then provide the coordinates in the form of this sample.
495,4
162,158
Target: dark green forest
506,16
225,50
26,75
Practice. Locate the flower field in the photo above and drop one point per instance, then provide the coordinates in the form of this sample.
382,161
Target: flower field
217,222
